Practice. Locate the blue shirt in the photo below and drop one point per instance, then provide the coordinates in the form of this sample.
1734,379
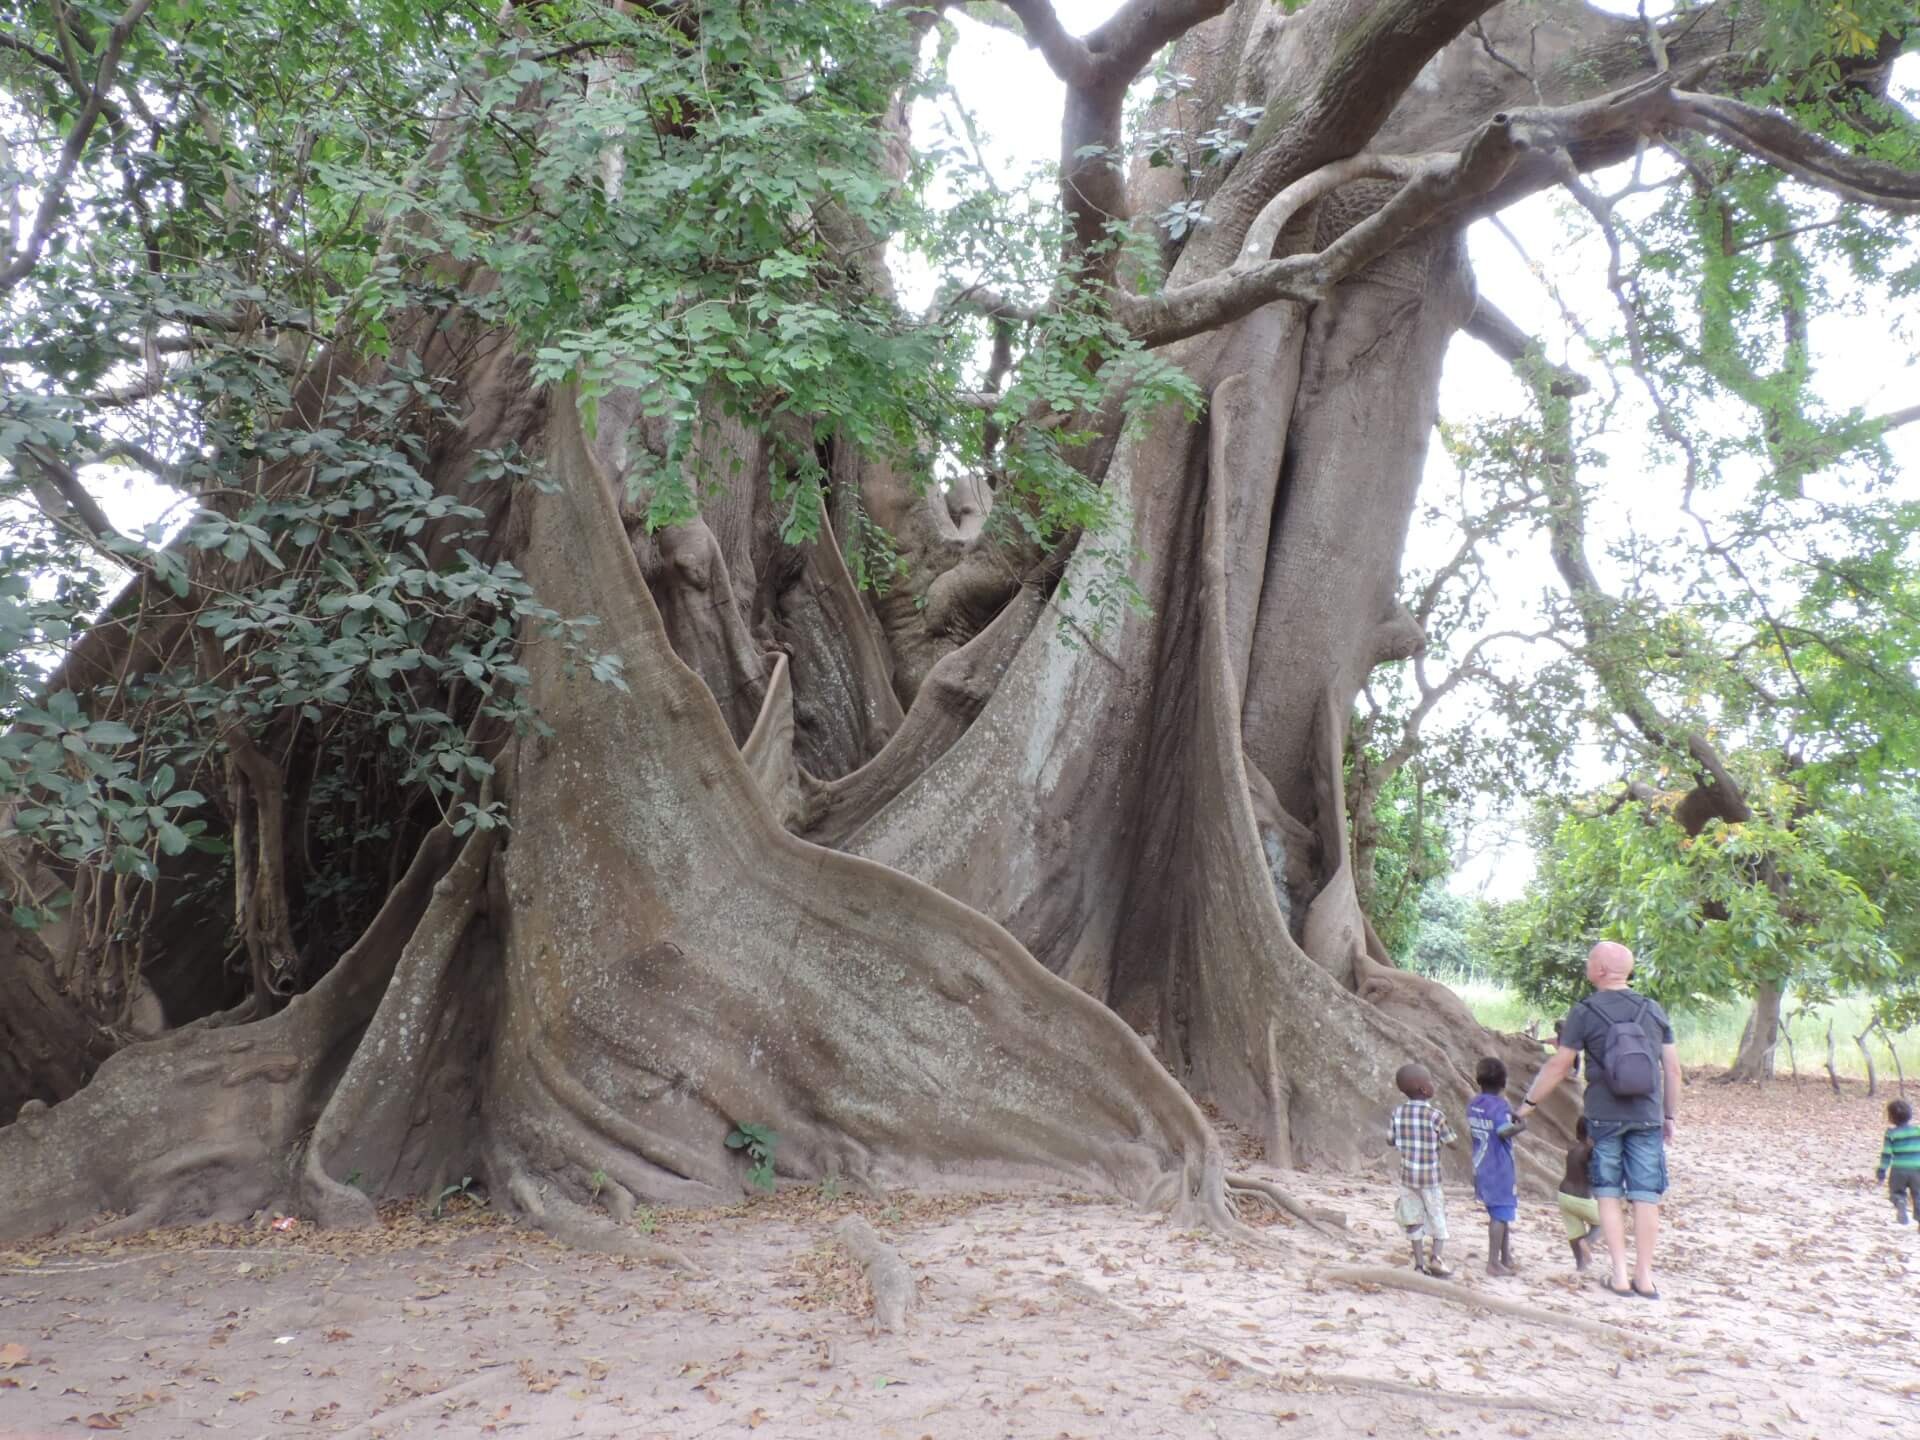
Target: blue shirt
1492,1156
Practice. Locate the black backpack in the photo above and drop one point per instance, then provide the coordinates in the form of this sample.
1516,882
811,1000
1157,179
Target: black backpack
1628,1064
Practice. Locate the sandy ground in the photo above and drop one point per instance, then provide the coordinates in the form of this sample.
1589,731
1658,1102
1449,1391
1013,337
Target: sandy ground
1791,1306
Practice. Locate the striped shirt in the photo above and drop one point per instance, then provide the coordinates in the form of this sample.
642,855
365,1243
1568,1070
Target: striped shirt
1901,1150
1418,1130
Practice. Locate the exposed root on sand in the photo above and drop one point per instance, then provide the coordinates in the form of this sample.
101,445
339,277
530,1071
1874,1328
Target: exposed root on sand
887,1274
1326,1222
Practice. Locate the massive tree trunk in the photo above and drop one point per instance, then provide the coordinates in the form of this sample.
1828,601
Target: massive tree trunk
1059,859
652,961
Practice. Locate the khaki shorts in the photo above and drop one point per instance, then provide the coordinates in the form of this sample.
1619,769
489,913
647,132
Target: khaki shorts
1579,1213
1422,1210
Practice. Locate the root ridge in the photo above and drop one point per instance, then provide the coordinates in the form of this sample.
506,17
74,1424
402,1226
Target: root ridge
887,1274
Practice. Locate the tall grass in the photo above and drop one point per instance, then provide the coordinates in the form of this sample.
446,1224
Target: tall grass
1711,1036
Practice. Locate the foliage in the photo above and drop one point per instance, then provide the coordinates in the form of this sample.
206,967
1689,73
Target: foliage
463,1191
1449,939
758,1141
277,265
1694,909
1412,829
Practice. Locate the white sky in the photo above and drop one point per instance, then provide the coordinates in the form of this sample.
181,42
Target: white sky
1867,361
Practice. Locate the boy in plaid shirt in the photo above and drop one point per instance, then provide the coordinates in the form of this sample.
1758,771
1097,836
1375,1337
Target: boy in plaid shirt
1418,1130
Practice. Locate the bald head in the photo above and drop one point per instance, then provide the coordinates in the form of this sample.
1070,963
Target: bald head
1609,964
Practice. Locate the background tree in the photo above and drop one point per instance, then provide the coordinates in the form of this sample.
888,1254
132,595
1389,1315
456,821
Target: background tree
1728,661
540,396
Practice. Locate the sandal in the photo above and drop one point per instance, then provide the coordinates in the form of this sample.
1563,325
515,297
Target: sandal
1439,1271
1653,1294
1607,1285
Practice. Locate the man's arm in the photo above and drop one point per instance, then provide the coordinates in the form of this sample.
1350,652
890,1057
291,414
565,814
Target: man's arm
1670,1092
1549,1078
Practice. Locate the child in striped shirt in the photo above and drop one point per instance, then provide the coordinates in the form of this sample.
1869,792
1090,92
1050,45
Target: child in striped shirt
1900,1160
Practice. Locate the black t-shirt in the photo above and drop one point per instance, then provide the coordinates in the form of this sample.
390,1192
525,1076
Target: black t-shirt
1585,1028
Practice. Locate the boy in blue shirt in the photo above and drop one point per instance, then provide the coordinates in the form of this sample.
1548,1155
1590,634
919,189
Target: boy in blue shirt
1491,1124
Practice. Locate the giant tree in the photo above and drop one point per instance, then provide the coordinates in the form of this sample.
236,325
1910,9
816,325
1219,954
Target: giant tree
506,773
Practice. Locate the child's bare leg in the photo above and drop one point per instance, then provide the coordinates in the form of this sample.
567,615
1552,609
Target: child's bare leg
1506,1247
1416,1239
1496,1248
1437,1267
1582,1253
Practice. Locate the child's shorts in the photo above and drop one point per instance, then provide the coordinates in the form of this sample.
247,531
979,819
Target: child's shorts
1579,1213
1423,1211
1503,1214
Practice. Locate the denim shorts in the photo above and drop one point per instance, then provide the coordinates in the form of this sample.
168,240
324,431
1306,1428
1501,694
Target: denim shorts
1629,1161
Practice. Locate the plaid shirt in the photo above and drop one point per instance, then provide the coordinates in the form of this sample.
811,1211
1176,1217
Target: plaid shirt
1418,1130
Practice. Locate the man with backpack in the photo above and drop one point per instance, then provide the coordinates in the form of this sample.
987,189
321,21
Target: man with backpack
1633,1095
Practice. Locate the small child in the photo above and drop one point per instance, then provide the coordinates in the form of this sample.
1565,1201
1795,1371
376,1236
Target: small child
1579,1211
1900,1161
1491,1123
1418,1130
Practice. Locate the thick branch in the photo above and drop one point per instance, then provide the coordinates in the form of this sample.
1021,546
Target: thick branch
1375,53
1804,155
1110,57
75,495
1066,54
1097,69
1438,188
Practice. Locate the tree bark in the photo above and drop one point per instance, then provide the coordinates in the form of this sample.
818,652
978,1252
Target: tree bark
1753,1062
48,1046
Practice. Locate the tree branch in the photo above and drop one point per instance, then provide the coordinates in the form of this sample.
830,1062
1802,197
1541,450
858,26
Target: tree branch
66,481
1438,187
1097,70
1126,43
1066,54
1375,51
56,188
1804,155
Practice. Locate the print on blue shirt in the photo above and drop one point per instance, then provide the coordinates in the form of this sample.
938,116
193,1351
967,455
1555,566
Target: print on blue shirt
1492,1157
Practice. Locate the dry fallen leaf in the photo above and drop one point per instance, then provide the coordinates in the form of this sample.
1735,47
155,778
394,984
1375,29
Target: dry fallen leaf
756,1419
12,1354
97,1421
